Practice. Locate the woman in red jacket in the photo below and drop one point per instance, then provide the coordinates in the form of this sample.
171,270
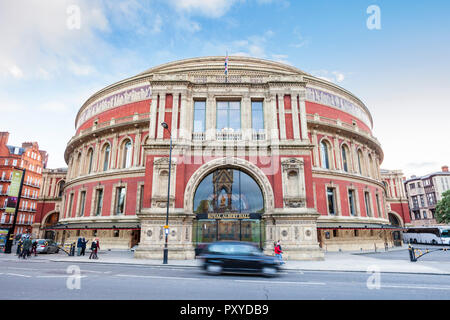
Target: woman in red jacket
278,251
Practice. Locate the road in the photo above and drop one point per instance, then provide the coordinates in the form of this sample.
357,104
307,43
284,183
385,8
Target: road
37,279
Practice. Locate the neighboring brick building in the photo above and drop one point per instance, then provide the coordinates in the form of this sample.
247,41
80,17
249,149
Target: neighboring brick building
33,160
423,194
396,198
268,153
49,202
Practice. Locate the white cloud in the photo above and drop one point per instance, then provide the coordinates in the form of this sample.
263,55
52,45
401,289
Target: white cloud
330,76
210,8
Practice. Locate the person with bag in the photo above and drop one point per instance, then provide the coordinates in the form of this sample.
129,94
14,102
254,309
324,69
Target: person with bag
93,250
279,252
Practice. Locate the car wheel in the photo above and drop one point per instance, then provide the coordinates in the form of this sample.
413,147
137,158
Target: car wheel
269,271
213,269
434,242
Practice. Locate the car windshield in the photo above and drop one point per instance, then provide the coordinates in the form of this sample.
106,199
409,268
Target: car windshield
445,233
241,249
41,241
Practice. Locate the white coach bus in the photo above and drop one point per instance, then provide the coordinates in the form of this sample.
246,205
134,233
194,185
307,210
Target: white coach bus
431,235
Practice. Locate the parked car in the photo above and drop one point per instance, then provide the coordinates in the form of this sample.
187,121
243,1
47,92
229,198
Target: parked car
46,246
234,256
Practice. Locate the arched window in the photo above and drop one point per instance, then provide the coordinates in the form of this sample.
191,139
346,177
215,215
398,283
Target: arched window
106,152
325,154
126,160
90,160
61,185
360,162
345,158
228,190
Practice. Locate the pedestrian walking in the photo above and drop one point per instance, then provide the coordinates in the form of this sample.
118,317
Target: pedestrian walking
79,246
279,251
19,248
26,248
83,246
93,250
34,248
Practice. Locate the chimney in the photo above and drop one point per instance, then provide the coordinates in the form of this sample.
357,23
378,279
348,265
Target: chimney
445,169
4,136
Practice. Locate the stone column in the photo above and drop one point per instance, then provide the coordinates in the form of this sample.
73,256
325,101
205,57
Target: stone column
295,120
246,117
137,145
273,115
175,103
303,123
153,111
210,115
282,117
316,149
337,153
162,111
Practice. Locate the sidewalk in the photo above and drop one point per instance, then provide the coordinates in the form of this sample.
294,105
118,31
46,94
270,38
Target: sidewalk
343,262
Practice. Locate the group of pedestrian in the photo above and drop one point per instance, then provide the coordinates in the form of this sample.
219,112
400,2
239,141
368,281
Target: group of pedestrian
81,247
26,247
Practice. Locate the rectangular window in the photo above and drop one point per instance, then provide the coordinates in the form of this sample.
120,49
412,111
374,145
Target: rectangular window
229,115
199,116
331,201
120,200
82,202
14,162
367,203
351,201
422,201
99,202
257,116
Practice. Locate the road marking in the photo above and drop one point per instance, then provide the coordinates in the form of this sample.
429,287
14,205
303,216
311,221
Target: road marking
59,276
18,275
283,282
155,277
414,287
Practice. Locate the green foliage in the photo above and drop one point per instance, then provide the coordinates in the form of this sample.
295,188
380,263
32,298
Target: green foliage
443,208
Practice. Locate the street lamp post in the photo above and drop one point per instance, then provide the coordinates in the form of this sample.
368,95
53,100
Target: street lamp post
166,250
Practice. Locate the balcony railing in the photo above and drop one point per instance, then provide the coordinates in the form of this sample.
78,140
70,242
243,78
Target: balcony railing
228,135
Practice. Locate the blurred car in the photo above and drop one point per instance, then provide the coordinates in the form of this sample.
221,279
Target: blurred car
234,256
46,246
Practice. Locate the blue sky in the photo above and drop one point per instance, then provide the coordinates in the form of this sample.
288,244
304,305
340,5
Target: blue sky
47,70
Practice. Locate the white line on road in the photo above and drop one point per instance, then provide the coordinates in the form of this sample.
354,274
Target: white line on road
415,287
154,277
18,275
283,282
58,276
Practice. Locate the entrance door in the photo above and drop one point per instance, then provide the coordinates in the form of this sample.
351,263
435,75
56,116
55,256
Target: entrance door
228,230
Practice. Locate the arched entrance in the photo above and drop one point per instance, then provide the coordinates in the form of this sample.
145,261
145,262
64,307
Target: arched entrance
228,205
396,235
50,220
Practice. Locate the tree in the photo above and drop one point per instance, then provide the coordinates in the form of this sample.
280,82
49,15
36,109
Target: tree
443,208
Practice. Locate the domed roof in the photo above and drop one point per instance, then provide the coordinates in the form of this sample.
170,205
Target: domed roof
216,63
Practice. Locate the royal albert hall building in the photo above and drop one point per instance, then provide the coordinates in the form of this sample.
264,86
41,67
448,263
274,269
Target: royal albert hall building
266,153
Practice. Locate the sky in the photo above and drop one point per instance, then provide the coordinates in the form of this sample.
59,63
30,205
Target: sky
54,54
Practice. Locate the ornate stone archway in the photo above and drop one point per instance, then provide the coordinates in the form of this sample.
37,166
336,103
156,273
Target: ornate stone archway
236,163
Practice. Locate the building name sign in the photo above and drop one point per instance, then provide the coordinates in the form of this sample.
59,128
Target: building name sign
322,97
229,215
114,100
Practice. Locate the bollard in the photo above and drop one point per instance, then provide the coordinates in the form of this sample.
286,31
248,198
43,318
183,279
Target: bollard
412,256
